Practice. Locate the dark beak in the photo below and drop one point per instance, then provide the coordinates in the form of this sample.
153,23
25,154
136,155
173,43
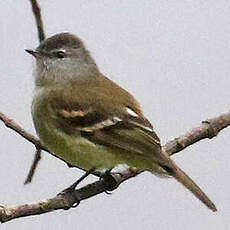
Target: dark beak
33,53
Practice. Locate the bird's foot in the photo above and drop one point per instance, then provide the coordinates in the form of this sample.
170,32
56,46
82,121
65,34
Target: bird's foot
110,181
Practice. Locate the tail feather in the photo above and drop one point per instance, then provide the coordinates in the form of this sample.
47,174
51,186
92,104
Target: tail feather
184,179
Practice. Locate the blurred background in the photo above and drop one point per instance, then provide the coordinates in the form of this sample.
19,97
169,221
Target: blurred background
173,56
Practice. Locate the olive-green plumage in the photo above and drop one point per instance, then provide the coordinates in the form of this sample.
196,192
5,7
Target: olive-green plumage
90,122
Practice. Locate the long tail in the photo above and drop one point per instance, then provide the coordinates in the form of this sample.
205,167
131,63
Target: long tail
184,179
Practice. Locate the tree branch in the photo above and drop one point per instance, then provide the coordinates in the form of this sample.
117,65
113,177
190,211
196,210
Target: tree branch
41,36
208,129
37,158
38,18
67,200
10,123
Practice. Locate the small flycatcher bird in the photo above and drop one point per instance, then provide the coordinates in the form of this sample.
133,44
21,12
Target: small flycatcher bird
88,121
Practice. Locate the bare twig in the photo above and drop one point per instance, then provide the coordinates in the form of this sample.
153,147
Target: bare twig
18,129
41,36
10,123
66,200
37,157
208,129
37,14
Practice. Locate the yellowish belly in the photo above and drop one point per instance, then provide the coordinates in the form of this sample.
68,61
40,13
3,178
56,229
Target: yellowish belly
78,151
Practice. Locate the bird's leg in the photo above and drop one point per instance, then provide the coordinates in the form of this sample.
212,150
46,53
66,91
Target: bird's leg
72,187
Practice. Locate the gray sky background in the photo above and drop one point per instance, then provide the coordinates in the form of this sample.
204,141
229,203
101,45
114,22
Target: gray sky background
174,57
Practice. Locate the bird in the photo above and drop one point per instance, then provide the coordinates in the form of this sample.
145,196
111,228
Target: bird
88,121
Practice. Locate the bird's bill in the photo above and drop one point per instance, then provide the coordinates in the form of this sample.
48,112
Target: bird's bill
33,53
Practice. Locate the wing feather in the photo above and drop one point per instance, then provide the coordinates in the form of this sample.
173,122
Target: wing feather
133,134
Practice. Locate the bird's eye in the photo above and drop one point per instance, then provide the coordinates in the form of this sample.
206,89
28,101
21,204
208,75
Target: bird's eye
60,54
